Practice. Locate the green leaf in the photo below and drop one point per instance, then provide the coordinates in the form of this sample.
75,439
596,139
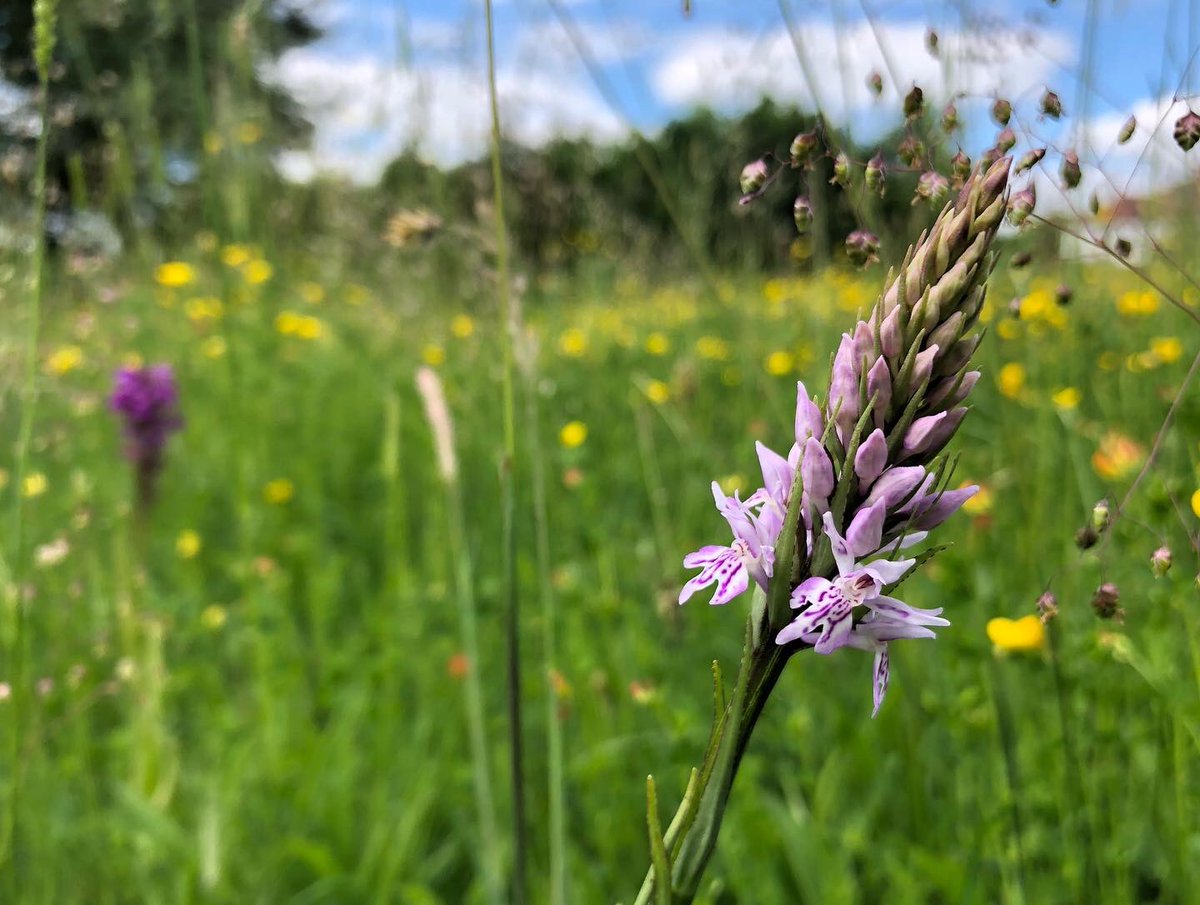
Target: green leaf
658,848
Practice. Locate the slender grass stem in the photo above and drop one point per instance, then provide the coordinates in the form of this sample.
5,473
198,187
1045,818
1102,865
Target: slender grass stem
1008,746
512,631
554,733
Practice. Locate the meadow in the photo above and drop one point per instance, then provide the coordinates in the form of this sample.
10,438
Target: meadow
255,691
278,658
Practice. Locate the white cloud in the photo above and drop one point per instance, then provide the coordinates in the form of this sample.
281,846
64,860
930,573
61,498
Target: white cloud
366,111
730,69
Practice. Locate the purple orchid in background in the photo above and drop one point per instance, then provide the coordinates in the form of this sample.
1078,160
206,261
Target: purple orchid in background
147,401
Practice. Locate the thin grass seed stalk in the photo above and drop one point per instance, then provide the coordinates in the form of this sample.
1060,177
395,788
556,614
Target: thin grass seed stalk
824,542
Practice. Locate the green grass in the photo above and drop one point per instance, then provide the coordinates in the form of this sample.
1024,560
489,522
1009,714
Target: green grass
277,718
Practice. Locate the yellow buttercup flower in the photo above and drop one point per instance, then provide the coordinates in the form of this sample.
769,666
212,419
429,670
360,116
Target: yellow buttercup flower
573,434
213,144
657,392
64,359
1008,329
433,355
257,271
1017,635
174,274
462,326
279,491
1167,349
712,348
573,343
34,485
207,308
658,344
235,255
301,326
1137,303
1066,399
1196,503
1012,379
188,544
213,347
780,363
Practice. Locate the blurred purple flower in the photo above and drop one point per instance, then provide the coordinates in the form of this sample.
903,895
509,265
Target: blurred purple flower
147,402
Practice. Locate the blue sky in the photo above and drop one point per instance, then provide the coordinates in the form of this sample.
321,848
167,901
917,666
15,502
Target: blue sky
391,74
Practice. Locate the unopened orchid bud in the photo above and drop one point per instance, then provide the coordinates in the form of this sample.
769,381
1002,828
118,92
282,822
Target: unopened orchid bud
1006,140
1047,606
816,470
1050,105
875,83
1029,160
1101,516
1160,561
932,187
896,485
871,458
890,334
931,42
1071,174
802,213
841,170
809,422
960,166
1106,602
1123,247
862,247
879,388
1063,295
1086,537
804,146
875,173
949,117
1001,111
865,531
1127,130
914,103
1187,130
754,176
989,157
1021,205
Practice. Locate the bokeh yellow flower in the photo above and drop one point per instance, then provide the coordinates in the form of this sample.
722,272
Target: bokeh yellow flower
34,485
1008,329
257,271
1196,503
1017,635
204,308
1011,379
658,344
301,326
356,294
64,359
1167,349
188,544
573,434
213,143
1066,399
462,325
213,347
433,355
573,343
1118,456
174,274
235,255
213,617
780,363
712,348
657,392
731,483
279,491
1137,303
